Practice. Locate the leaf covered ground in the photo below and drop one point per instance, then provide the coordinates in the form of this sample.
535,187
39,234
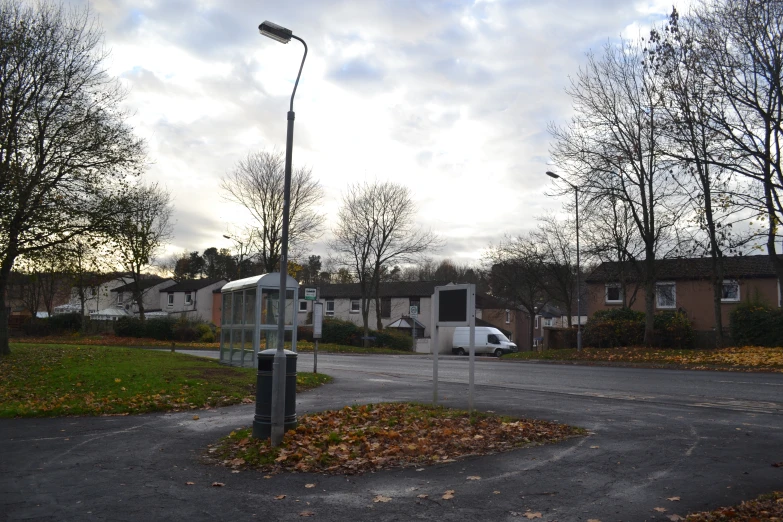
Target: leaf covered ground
766,508
358,439
57,380
746,358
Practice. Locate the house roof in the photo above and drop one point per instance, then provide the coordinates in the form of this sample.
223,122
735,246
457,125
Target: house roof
482,322
739,267
191,285
144,284
393,289
488,302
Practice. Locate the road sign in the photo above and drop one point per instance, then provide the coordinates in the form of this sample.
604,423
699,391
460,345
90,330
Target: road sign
414,311
318,317
309,294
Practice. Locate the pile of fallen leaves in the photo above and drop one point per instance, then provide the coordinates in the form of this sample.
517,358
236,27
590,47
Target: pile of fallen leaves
370,437
767,507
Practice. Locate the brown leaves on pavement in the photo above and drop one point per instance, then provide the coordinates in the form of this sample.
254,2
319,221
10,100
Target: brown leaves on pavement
448,495
358,439
767,507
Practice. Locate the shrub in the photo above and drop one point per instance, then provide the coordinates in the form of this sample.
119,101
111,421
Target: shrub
37,328
341,332
65,322
161,329
673,330
756,324
128,327
393,339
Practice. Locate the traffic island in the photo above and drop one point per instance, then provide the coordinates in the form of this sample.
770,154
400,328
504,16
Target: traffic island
358,439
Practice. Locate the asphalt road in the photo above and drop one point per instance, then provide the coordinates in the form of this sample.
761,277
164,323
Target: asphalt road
705,438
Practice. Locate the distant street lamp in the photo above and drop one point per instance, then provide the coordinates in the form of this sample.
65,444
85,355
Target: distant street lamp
578,265
282,35
241,254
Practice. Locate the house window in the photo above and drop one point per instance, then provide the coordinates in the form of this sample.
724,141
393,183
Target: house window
508,316
302,306
171,300
548,321
188,298
665,295
330,308
386,307
536,325
614,293
415,301
730,293
119,297
356,306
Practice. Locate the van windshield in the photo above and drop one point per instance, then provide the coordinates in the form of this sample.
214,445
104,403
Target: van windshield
502,337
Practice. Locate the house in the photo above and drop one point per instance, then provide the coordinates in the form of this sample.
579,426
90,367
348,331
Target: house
685,284
192,298
97,294
123,304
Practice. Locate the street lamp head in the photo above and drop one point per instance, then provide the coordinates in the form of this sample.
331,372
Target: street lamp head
227,237
552,174
275,32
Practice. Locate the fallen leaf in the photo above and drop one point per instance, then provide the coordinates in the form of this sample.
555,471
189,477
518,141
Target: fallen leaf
267,476
530,514
381,498
309,485
474,477
195,417
675,518
217,484
189,483
279,497
496,492
777,464
594,447
306,514
236,462
660,509
422,496
673,499
593,520
448,495
420,469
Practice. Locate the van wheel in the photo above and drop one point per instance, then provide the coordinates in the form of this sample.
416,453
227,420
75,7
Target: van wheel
460,351
498,353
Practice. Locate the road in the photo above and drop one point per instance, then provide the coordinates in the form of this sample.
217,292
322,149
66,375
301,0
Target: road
678,441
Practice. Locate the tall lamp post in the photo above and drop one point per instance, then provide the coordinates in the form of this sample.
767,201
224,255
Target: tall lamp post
241,254
282,35
578,265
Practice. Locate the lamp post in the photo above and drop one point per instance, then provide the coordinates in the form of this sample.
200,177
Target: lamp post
282,35
578,265
241,254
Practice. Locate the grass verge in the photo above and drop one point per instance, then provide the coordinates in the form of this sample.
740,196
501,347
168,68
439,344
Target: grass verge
746,358
57,380
370,437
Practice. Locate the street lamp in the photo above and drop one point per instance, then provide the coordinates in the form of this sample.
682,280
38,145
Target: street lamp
578,265
241,254
282,35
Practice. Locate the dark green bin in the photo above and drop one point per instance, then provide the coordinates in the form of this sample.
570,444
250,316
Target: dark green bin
262,422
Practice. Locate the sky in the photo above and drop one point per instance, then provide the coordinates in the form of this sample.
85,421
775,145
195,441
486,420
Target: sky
450,98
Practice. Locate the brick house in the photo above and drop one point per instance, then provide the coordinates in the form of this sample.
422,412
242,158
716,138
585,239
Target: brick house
685,284
192,298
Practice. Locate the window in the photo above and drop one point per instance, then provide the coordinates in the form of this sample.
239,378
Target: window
119,297
548,321
171,299
329,307
614,293
356,306
386,307
536,325
665,295
302,306
508,316
730,293
415,301
493,339
188,298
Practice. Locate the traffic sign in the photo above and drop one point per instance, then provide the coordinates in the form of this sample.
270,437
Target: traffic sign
414,311
309,294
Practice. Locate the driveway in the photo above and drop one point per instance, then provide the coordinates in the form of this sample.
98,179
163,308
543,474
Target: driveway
702,439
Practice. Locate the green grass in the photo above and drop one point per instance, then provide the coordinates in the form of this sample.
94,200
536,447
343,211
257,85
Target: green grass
56,380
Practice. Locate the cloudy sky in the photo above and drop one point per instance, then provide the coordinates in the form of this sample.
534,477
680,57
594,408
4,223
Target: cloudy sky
451,98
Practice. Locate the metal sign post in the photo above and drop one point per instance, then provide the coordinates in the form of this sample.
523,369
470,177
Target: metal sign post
318,317
454,305
435,348
414,313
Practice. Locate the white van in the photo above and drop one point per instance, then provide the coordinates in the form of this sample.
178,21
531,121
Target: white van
488,340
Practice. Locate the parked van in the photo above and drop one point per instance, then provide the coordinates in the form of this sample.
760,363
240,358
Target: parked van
488,340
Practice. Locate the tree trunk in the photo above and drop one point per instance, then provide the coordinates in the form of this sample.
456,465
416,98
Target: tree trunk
649,311
717,295
5,274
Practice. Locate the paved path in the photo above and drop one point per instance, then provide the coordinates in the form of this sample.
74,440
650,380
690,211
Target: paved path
656,434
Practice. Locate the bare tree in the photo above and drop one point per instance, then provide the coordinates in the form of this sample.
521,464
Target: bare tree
257,184
63,138
376,228
614,148
518,275
557,243
140,227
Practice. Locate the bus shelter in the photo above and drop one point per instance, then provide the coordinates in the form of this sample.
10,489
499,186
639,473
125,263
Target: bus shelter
249,318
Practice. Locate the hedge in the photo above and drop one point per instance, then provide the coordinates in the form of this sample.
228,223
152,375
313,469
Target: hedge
756,324
164,329
348,333
625,327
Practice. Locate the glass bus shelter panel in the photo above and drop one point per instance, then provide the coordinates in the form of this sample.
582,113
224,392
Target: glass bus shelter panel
270,303
238,308
250,306
248,355
225,343
227,308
